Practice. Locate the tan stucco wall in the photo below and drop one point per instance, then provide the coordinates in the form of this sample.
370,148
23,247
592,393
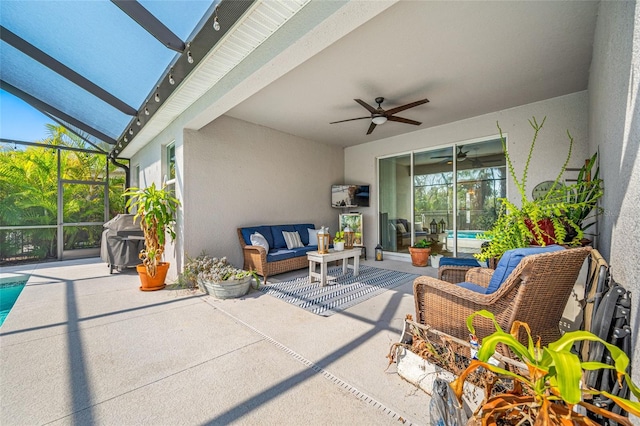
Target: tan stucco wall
563,113
240,174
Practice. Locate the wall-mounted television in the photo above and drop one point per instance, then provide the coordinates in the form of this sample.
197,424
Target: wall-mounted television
349,196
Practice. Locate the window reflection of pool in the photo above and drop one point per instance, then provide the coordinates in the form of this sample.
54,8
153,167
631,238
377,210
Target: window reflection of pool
467,241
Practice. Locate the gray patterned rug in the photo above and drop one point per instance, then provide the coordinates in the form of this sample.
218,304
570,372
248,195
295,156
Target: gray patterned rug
345,292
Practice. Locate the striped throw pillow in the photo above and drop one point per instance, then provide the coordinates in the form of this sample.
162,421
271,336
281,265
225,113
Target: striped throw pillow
292,239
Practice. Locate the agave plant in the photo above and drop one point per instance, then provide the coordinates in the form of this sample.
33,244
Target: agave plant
546,395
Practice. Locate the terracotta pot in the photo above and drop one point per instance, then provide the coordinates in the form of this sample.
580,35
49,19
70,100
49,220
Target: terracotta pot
548,232
153,283
419,256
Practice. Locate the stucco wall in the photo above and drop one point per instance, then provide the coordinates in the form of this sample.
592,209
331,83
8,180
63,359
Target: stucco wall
563,113
614,106
240,174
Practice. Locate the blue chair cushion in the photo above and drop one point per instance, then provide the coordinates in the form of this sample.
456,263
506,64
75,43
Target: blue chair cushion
278,238
263,229
510,260
473,287
302,230
457,261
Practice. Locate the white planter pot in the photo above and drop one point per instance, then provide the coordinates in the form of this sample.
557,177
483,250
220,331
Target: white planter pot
227,289
338,246
435,260
417,370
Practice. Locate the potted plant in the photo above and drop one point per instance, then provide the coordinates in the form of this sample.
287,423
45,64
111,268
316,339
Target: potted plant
156,210
219,278
548,391
436,249
420,253
545,220
338,241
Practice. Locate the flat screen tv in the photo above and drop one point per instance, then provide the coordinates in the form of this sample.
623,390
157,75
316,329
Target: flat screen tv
349,196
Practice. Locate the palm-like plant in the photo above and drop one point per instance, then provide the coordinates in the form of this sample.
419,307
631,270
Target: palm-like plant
156,210
546,395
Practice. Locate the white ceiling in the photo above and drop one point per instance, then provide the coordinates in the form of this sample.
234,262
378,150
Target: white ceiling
467,58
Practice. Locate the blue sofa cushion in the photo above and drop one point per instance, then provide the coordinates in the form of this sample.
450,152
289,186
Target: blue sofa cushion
510,260
284,253
473,287
302,251
280,254
302,230
278,238
263,229
458,261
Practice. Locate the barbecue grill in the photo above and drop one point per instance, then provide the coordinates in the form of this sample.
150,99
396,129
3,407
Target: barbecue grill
122,241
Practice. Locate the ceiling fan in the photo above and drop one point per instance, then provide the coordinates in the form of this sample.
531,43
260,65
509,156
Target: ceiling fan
461,156
380,116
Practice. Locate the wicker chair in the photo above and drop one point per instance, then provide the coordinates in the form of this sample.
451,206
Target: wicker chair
535,292
456,274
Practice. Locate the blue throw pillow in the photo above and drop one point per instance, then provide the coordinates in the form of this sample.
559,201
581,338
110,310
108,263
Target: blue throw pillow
510,260
302,230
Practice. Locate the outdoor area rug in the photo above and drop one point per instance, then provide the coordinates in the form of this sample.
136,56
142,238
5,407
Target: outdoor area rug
344,292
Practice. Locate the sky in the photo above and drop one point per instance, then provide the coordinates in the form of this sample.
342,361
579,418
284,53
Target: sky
19,121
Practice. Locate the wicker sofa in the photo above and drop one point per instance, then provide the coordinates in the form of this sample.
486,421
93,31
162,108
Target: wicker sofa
278,259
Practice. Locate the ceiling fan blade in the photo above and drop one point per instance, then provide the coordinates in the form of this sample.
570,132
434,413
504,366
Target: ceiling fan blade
351,119
407,106
373,126
443,156
403,120
366,105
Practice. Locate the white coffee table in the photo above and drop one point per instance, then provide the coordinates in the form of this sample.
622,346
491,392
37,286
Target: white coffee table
316,258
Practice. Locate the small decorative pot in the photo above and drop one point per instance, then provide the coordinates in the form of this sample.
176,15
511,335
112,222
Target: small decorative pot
228,289
338,246
435,260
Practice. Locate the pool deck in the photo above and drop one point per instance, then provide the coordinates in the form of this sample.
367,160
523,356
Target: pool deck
84,347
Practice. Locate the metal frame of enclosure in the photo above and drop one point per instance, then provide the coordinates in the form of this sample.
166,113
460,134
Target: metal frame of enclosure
61,252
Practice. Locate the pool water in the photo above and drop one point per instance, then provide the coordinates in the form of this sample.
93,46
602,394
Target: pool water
465,234
9,293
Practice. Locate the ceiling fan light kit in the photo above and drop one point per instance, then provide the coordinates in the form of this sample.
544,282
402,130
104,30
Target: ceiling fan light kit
380,116
380,119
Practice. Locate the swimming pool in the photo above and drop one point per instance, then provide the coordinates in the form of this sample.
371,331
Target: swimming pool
467,241
9,292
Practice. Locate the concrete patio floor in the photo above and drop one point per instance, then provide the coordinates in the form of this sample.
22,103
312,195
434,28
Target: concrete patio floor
81,346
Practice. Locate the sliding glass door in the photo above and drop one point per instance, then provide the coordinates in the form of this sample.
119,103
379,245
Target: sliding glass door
395,202
447,195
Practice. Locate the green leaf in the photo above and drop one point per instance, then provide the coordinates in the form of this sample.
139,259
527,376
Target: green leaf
568,375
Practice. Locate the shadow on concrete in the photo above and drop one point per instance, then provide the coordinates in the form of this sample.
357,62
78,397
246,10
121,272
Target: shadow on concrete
79,384
244,407
108,314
